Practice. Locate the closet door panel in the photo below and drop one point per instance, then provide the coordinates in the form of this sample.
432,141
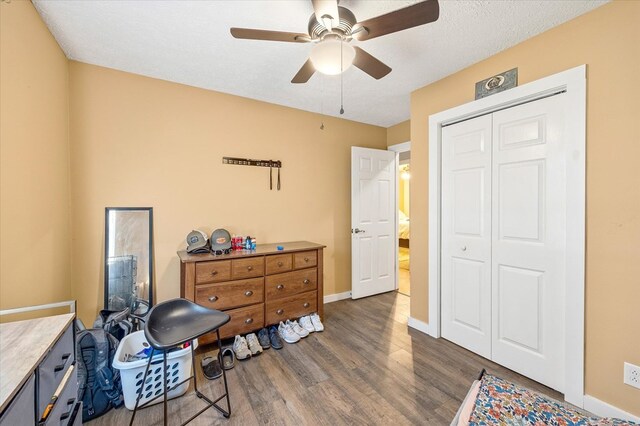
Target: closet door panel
528,237
466,234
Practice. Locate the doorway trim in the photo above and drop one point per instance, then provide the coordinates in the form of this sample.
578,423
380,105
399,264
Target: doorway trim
573,82
398,148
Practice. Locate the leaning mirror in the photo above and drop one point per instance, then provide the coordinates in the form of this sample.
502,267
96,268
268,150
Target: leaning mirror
128,268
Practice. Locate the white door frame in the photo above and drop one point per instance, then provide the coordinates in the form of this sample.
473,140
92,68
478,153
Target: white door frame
398,148
573,82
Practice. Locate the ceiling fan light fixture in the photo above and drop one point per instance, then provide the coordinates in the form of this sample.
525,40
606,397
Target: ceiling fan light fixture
325,56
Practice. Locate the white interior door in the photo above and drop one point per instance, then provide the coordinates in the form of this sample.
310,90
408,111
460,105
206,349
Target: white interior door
466,234
528,247
503,237
373,221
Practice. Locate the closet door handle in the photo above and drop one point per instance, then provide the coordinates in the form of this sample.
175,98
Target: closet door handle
463,248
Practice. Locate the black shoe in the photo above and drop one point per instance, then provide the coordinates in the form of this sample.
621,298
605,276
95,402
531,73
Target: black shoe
276,343
263,338
211,368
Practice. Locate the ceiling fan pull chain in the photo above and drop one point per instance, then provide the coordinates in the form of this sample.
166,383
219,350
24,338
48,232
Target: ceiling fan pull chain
341,81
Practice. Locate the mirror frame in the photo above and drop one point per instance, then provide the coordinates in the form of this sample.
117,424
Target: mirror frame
106,250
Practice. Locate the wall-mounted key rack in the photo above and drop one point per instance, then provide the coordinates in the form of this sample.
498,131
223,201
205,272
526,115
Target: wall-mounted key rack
250,162
271,164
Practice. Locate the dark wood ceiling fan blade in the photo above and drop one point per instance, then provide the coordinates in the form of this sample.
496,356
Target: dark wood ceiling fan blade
305,73
251,34
369,64
326,8
398,20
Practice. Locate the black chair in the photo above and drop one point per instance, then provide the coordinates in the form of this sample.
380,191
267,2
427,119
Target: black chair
173,323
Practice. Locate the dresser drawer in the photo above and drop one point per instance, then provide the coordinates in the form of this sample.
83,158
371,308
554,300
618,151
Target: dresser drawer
230,294
279,263
62,412
290,283
305,259
243,320
20,411
213,272
53,368
291,307
247,268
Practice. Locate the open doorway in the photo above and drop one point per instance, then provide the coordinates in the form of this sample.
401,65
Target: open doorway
404,228
403,155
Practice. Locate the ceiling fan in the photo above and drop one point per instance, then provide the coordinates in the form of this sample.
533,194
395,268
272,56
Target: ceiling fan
332,27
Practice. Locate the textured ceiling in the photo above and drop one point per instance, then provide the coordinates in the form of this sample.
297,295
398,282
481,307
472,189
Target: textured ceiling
188,42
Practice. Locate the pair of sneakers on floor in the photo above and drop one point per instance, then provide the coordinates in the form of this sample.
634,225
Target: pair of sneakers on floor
292,331
252,345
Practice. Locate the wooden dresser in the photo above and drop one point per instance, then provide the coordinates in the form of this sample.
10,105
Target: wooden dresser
257,287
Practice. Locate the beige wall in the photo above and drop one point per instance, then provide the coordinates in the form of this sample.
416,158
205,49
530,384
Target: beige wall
607,40
34,161
138,141
399,133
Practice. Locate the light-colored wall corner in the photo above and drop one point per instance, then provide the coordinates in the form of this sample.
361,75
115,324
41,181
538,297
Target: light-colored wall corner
606,40
34,161
329,298
138,141
399,133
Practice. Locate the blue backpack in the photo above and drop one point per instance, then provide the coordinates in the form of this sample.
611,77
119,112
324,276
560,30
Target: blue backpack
99,385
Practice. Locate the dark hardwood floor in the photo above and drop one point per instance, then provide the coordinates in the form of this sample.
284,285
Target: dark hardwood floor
367,367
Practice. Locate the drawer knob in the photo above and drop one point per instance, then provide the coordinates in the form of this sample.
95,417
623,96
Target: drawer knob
306,304
248,293
306,259
214,272
306,281
280,286
280,264
279,312
249,268
213,298
248,321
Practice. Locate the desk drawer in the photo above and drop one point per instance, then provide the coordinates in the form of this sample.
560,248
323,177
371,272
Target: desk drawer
305,259
247,268
279,263
243,320
291,307
230,294
62,411
20,411
213,272
53,368
290,283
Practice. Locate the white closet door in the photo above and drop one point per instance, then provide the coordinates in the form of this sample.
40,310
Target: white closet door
528,234
466,234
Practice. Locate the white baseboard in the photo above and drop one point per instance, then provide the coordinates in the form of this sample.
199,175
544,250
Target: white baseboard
602,409
337,296
419,325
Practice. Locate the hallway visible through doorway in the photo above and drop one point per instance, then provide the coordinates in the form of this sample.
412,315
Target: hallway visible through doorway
404,278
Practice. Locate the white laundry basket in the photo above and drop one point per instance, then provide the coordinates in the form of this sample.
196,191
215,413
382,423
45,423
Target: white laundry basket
178,369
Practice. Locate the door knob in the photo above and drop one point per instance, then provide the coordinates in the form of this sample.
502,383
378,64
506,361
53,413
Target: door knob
357,231
463,248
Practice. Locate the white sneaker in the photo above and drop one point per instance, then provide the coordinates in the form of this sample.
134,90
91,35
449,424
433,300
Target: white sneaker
315,320
286,332
305,322
254,345
297,329
240,348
